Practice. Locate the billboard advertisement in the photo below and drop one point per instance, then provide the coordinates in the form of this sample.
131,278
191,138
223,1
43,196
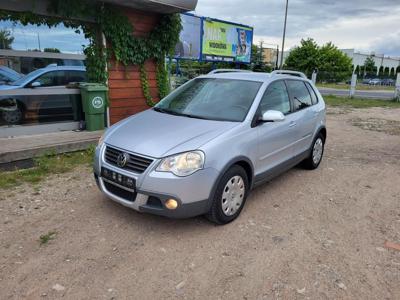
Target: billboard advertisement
188,46
224,41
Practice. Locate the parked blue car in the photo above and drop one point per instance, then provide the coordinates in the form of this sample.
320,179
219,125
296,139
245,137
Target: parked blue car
16,108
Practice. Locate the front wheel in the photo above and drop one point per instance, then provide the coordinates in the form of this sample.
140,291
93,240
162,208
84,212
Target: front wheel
12,116
316,153
230,196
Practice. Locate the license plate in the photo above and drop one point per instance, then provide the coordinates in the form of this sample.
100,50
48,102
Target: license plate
118,178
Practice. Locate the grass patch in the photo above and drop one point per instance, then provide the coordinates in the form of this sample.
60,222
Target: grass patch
45,238
360,87
46,165
360,102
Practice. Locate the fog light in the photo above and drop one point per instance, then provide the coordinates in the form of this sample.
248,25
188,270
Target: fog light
171,204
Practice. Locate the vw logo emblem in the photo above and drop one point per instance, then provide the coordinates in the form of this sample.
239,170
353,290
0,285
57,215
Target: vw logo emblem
122,160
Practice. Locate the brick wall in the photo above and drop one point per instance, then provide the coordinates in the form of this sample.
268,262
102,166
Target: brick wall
125,90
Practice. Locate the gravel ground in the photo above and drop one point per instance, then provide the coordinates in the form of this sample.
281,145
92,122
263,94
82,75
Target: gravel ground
305,235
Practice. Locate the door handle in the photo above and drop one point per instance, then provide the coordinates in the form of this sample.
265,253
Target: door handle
292,124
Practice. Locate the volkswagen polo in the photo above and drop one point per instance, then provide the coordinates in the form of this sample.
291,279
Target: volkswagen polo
202,149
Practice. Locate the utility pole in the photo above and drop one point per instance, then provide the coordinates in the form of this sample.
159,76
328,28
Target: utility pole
38,38
277,57
284,34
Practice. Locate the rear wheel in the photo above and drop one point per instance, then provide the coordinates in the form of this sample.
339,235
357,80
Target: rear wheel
316,153
230,196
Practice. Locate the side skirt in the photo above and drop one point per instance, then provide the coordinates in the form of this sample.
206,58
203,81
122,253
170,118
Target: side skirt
279,169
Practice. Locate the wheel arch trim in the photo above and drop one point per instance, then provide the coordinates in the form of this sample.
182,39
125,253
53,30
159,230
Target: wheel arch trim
228,165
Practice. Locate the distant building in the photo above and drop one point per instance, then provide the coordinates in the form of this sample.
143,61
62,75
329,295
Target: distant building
382,62
270,56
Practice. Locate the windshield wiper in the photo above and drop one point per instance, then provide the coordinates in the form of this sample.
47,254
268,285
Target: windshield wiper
163,110
175,113
194,116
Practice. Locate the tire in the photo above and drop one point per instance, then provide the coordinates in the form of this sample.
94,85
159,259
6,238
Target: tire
13,117
230,196
316,153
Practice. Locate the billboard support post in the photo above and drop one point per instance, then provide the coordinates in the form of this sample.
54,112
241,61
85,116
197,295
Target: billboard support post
314,77
353,85
397,89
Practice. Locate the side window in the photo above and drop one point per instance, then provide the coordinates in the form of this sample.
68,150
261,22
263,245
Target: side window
300,94
276,98
46,79
77,76
314,97
54,78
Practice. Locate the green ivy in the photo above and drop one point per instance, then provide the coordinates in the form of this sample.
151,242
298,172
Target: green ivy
123,45
162,79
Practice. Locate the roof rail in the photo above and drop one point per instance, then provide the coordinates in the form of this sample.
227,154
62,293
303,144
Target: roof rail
217,71
288,72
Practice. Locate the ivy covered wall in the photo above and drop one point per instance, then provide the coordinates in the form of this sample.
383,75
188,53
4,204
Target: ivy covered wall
137,43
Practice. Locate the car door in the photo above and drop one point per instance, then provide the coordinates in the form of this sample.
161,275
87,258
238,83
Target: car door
304,114
275,139
50,106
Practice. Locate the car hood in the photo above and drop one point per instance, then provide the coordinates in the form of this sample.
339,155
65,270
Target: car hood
158,135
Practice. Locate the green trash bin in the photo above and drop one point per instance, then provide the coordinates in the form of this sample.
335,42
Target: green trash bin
94,102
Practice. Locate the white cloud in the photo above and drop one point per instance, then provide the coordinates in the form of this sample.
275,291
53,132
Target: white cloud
367,25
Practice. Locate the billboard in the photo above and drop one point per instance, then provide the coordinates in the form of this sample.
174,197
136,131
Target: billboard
206,39
188,46
224,41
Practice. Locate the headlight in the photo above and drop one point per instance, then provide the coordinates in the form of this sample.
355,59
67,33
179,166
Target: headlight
182,164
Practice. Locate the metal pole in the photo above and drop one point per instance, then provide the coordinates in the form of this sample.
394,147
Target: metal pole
277,57
284,34
38,38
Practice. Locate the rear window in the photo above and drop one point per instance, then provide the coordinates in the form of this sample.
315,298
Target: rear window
299,92
314,97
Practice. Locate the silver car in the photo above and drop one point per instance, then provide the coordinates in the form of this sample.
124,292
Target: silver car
202,149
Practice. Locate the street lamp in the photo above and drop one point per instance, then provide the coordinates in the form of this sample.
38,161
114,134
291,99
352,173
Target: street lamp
284,34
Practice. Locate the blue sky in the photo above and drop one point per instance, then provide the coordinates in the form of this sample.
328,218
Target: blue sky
60,37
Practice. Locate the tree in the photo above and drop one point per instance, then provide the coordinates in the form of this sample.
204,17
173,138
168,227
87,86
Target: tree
334,65
51,50
6,39
381,71
257,60
357,71
386,72
331,63
369,66
304,58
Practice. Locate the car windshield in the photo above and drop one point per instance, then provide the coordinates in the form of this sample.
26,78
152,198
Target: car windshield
27,78
211,99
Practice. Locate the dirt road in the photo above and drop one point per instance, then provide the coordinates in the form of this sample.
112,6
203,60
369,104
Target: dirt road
306,235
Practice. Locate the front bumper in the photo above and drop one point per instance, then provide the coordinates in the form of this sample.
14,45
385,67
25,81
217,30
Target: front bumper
153,189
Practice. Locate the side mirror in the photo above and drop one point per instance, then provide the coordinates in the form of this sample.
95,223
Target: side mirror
272,116
35,84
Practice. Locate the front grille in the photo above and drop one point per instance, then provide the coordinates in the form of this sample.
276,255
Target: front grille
135,163
122,193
